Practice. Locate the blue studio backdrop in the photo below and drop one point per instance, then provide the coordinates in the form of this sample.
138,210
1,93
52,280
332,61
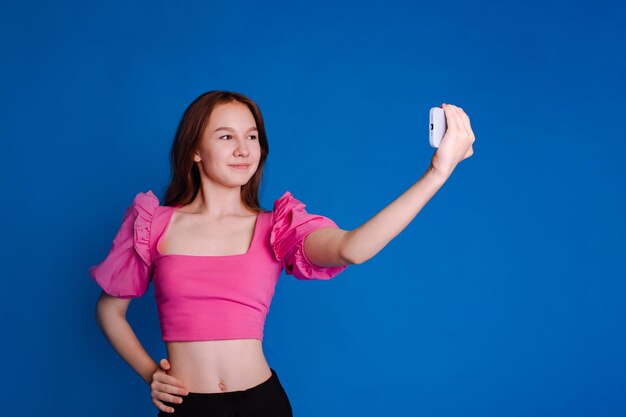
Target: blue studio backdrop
505,296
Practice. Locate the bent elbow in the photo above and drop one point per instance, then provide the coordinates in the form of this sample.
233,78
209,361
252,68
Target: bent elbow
108,306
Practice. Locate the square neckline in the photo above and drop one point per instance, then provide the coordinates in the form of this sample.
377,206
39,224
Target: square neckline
168,255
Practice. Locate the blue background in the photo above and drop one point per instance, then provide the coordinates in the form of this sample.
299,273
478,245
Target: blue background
505,296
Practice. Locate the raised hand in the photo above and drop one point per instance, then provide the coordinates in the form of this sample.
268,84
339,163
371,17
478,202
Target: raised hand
456,145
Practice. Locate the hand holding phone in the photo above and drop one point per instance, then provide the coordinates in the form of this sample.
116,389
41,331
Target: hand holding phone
451,133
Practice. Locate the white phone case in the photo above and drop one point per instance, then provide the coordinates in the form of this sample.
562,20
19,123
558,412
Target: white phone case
437,126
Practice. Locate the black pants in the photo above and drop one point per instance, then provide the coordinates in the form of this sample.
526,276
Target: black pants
268,399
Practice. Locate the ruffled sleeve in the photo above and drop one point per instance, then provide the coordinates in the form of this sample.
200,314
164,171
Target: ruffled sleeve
290,225
126,271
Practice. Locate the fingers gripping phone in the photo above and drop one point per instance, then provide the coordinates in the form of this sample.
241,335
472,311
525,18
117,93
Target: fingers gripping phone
437,127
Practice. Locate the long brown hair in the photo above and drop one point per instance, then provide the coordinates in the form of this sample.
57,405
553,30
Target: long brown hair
185,181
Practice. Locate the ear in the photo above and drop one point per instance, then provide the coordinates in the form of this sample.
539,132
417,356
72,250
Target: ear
196,157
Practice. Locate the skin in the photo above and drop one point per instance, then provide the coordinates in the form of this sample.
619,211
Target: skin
224,227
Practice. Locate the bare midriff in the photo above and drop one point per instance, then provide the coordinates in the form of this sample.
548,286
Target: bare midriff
216,366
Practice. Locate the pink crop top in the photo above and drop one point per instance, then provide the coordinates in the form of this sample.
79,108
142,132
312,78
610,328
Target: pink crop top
210,297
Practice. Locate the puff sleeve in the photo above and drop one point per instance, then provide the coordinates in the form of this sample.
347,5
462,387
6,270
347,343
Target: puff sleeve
290,225
126,271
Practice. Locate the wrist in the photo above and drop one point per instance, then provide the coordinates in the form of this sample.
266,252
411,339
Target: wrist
438,174
148,378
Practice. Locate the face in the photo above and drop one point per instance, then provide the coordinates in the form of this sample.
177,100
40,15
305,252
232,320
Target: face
230,139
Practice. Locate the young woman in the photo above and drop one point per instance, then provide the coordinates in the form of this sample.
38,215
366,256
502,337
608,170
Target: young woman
215,256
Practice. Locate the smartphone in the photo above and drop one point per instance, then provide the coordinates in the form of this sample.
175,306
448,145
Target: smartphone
437,126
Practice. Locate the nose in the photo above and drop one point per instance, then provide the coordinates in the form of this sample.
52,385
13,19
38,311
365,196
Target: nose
242,148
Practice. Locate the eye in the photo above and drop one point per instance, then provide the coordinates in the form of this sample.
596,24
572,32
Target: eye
252,136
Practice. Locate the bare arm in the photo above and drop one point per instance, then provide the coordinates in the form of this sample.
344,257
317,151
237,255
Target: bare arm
332,246
111,318
371,237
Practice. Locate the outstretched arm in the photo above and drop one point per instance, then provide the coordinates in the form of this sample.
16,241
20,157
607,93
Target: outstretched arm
332,246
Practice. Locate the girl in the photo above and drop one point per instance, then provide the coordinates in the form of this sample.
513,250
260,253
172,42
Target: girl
215,256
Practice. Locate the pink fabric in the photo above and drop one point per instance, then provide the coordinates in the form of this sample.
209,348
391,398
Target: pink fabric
210,297
291,224
125,273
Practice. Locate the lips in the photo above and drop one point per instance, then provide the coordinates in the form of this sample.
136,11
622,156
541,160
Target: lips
240,166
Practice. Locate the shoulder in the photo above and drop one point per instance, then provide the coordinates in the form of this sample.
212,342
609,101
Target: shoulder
286,203
143,209
145,202
291,222
138,221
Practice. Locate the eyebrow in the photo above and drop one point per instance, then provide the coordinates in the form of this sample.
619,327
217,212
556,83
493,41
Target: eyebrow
232,130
